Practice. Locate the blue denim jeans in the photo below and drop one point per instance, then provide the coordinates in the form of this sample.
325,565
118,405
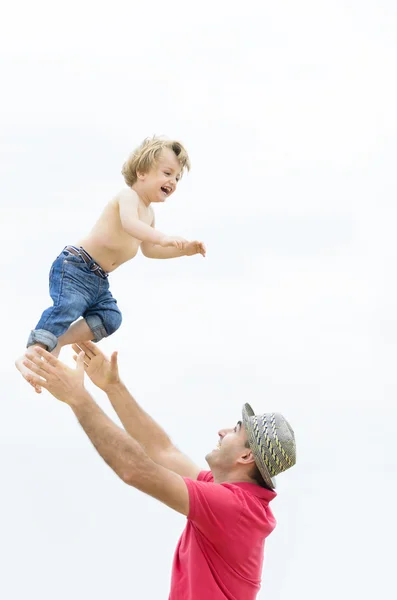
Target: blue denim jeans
76,292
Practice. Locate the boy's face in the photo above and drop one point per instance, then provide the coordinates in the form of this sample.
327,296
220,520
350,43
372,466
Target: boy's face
161,181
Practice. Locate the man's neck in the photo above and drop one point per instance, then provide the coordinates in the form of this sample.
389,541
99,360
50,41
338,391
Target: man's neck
232,478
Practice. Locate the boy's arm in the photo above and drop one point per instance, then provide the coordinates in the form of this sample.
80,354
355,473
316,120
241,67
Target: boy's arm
154,250
188,249
128,208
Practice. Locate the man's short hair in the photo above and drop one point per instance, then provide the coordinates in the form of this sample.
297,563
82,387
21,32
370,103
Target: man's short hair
255,474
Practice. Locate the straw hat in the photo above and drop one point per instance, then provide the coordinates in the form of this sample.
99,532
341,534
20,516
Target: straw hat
272,441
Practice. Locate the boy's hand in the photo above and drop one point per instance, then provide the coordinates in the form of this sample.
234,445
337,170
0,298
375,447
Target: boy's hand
191,248
102,371
175,241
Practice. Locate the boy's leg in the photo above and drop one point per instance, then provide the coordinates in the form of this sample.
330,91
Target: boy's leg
71,297
103,318
99,321
77,332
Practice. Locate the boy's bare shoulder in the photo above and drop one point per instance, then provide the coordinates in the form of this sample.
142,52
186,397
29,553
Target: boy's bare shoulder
126,195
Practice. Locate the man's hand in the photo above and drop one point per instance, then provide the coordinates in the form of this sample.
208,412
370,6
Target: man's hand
102,371
173,241
62,382
191,248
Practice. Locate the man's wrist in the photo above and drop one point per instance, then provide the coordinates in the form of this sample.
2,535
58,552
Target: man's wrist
114,388
79,398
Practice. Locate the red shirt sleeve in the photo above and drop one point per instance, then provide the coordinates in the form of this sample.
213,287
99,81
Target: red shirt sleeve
215,508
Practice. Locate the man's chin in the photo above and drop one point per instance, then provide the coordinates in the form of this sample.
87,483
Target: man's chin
210,457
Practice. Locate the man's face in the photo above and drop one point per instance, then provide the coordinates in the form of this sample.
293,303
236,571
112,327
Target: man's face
162,179
230,448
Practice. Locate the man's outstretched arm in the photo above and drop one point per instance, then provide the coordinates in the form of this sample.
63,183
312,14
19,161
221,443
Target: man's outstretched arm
141,426
119,450
128,459
149,434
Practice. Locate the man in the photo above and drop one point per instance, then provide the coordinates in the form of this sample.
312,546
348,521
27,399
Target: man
220,553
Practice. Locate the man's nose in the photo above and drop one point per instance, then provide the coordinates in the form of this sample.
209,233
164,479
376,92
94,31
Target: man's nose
223,432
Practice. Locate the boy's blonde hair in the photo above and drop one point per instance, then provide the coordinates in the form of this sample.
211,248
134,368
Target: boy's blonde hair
147,154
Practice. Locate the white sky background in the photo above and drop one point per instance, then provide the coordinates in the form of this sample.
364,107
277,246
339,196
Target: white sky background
288,112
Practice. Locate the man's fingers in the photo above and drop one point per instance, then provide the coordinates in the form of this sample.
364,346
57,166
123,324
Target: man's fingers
48,357
36,381
75,357
32,358
81,347
113,360
91,346
80,361
88,347
35,368
77,348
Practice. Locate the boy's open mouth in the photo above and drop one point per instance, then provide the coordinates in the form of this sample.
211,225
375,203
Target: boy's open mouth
166,190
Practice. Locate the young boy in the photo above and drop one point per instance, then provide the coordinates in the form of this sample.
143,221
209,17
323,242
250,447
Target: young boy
79,284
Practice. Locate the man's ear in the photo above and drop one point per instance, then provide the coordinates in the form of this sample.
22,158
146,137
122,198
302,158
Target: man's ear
247,458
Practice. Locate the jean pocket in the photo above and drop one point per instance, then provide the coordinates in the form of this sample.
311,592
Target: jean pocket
69,258
76,278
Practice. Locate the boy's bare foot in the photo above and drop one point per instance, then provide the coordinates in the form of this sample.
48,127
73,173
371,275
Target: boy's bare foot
25,372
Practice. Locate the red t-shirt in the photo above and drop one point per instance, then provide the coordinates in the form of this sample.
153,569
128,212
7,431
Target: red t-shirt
220,553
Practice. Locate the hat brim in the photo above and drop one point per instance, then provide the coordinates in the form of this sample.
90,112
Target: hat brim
247,413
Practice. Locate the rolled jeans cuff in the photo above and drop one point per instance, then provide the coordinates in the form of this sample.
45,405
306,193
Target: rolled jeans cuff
97,327
42,336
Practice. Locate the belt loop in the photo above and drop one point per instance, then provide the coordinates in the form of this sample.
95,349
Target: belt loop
87,258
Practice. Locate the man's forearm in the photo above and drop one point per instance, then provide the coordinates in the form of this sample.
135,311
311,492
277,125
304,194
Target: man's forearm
118,449
137,422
